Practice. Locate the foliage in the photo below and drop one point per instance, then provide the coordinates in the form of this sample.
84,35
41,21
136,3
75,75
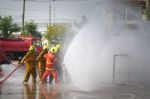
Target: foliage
31,29
7,26
146,14
56,32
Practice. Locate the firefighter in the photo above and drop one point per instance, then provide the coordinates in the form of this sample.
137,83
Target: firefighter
29,60
58,62
50,63
42,61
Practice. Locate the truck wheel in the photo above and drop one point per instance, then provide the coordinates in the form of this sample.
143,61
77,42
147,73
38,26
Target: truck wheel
0,67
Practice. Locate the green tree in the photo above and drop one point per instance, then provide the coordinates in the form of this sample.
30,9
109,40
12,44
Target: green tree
7,26
56,32
31,29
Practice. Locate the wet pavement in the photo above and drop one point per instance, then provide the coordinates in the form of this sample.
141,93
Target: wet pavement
13,88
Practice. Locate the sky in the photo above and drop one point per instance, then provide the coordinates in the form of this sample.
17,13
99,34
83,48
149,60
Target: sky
38,10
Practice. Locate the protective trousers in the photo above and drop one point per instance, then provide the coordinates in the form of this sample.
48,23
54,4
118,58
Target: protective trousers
53,73
41,69
30,72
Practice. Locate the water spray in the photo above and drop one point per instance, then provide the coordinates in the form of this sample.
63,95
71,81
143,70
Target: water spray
89,57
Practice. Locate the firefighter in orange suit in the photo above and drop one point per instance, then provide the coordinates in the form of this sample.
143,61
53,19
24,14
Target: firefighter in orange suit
42,61
57,64
50,61
29,60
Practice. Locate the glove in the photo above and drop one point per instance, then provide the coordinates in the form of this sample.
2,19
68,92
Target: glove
20,63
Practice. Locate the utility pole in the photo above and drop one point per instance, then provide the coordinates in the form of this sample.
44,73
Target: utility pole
49,13
147,4
23,15
54,15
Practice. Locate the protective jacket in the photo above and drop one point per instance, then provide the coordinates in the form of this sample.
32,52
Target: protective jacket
50,60
41,60
29,60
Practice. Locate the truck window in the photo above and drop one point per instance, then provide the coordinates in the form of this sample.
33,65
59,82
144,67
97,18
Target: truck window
37,43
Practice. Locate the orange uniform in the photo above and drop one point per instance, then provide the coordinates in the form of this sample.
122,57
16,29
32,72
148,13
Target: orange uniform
50,70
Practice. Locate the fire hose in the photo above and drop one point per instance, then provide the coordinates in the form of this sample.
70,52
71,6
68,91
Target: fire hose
10,74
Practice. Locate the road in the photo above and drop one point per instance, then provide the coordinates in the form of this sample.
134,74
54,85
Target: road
13,88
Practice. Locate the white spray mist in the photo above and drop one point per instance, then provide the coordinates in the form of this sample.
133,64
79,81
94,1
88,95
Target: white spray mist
89,58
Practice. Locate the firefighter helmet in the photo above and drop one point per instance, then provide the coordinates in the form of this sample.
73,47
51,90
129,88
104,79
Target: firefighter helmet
53,49
32,47
58,46
45,47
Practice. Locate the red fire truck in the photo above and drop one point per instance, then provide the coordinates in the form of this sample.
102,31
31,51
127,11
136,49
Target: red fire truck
15,49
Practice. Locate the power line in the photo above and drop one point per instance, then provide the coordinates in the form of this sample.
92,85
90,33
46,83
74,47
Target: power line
46,19
32,17
53,0
39,11
66,13
3,8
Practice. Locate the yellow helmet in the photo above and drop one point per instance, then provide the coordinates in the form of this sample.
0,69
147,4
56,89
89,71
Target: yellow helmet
32,47
58,46
53,49
45,47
